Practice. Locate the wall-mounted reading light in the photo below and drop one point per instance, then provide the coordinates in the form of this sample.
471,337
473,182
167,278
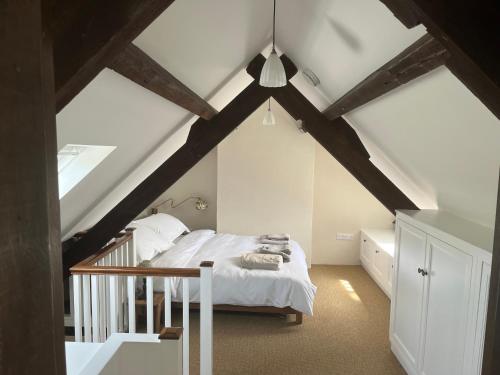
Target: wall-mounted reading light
200,204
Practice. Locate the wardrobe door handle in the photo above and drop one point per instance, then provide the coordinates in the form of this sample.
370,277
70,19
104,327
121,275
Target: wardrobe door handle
422,271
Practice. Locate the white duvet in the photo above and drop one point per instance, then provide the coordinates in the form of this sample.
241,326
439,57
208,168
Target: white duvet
290,286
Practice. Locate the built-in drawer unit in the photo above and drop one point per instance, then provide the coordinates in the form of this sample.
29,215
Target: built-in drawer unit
376,254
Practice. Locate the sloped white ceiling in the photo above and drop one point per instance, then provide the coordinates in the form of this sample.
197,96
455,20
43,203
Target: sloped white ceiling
205,43
444,138
112,111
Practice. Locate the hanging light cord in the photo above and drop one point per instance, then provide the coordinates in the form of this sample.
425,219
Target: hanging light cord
269,108
274,22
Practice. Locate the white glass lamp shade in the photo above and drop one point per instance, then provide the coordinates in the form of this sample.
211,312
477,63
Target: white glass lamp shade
273,72
269,119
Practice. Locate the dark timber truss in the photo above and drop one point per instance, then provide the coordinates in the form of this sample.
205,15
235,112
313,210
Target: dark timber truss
336,136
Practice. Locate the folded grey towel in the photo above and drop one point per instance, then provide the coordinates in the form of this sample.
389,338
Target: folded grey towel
285,256
274,242
253,261
277,236
277,248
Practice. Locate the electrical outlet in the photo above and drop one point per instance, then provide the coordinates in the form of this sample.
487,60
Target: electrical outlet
345,236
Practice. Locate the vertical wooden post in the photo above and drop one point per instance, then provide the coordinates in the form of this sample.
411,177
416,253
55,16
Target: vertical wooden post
491,356
31,308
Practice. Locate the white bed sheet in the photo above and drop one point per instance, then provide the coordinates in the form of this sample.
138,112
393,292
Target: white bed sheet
232,284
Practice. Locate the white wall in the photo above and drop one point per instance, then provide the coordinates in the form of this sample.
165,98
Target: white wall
201,180
341,205
265,179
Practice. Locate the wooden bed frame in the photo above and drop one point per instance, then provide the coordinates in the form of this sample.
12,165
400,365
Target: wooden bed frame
252,309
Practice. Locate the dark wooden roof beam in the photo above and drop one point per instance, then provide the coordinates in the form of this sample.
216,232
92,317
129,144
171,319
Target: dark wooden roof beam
89,34
421,57
469,30
137,66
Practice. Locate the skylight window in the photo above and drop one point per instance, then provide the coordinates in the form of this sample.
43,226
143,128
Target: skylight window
74,162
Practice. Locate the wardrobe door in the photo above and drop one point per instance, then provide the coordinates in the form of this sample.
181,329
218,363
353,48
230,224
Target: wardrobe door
407,296
449,278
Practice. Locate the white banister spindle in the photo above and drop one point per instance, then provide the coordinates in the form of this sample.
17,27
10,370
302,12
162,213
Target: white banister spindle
94,280
112,304
168,302
119,297
77,309
132,251
185,326
206,319
131,303
149,304
107,262
87,322
102,304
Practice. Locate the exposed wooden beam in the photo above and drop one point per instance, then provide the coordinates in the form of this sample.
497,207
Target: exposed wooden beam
137,66
89,34
421,57
469,31
31,307
491,356
339,128
337,137
402,12
204,136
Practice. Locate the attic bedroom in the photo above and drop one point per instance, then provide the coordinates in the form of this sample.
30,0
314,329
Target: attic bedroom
250,187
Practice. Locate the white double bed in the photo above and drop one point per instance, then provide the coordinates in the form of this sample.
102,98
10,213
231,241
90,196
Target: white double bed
288,288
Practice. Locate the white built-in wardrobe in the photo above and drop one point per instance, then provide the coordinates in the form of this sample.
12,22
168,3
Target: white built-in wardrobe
440,293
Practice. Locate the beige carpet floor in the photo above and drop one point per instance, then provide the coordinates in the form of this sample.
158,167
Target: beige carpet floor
348,333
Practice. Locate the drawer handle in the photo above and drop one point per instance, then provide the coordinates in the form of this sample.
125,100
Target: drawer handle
422,271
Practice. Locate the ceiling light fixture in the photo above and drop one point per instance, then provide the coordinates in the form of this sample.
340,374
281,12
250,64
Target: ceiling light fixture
269,119
273,72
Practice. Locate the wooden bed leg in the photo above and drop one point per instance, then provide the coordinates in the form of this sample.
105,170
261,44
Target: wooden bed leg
298,318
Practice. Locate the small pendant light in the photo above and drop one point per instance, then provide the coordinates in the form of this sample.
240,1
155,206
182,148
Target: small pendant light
269,119
273,72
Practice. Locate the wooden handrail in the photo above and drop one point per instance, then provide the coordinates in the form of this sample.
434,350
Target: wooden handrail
119,241
134,271
89,267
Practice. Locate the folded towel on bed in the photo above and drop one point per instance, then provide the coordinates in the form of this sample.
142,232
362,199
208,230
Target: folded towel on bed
285,256
274,242
285,248
255,261
277,236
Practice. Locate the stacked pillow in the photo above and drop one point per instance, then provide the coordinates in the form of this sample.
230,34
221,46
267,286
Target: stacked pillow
155,234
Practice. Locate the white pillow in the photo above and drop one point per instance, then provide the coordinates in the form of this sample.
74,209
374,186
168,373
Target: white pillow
148,243
167,226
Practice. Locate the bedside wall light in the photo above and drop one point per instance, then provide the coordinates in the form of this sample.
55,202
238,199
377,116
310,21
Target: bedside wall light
200,204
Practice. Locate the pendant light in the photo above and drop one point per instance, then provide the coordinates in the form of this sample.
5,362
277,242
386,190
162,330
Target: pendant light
269,119
273,72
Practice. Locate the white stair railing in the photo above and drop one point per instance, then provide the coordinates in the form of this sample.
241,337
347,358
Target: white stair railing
104,292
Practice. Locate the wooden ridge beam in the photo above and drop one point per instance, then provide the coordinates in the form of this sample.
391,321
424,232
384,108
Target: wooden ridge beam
469,30
137,66
203,137
421,57
89,34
